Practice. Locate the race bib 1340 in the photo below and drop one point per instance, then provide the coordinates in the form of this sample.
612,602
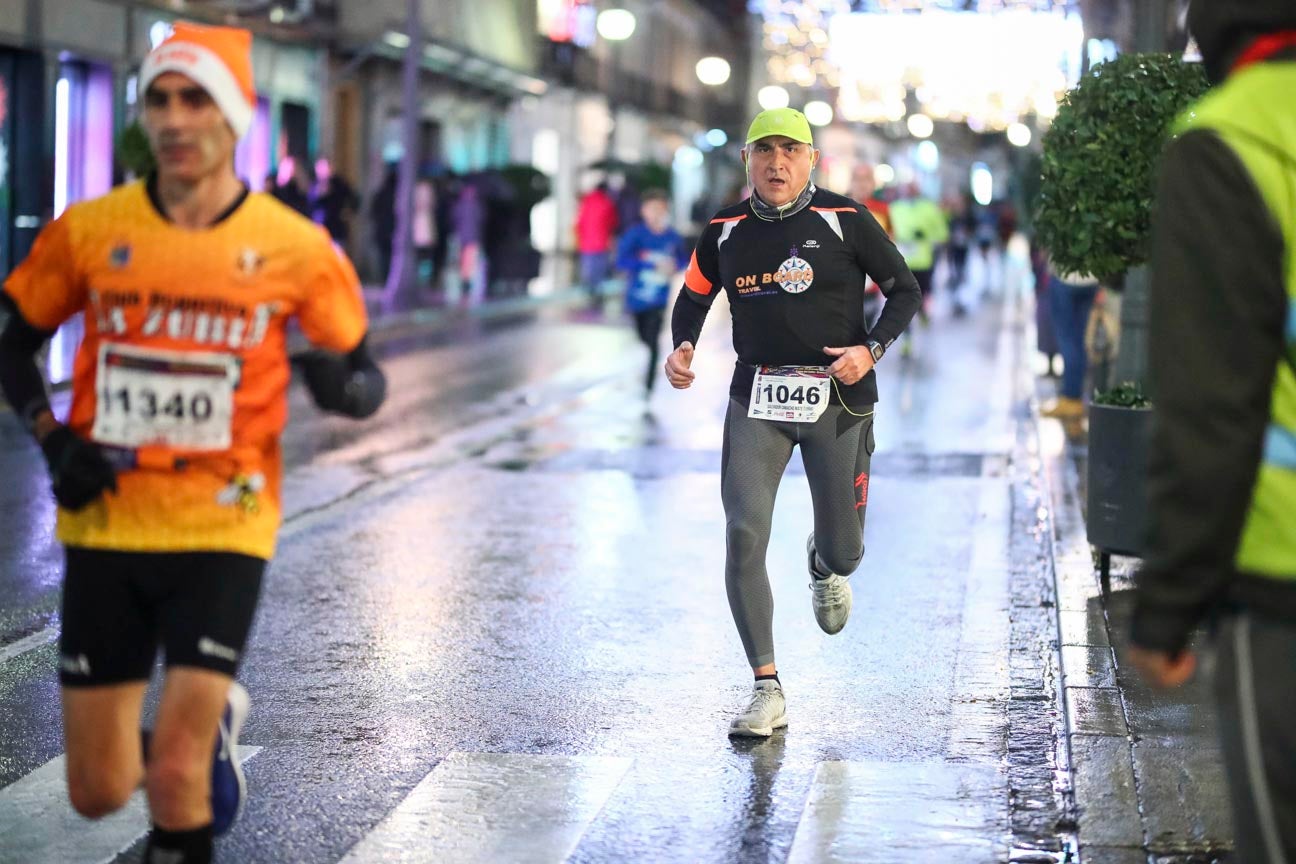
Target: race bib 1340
151,398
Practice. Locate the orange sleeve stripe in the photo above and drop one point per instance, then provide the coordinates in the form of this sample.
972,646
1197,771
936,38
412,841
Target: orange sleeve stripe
834,209
730,219
693,278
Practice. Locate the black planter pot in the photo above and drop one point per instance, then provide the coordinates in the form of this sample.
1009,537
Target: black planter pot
1117,508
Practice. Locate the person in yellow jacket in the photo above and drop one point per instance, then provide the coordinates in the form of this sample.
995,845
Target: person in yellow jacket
919,227
1222,484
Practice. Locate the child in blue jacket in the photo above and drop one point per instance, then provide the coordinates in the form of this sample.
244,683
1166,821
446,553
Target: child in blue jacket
651,253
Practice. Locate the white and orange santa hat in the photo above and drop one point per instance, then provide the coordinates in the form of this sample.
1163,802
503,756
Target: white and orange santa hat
218,59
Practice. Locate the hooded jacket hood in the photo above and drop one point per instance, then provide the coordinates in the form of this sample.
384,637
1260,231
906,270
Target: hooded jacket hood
1224,28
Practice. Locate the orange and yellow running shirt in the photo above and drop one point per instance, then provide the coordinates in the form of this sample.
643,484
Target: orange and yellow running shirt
183,373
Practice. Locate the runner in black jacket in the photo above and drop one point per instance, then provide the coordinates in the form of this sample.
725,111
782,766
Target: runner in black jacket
792,260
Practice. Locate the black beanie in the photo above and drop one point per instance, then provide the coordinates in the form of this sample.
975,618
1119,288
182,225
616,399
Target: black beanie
1224,28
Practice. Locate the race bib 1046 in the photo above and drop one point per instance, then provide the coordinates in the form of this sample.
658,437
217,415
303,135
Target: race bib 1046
178,399
791,394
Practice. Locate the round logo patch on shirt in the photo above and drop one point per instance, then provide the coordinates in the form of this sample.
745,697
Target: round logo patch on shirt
795,274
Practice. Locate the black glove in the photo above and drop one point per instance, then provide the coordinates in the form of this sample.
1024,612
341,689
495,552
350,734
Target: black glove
78,470
337,385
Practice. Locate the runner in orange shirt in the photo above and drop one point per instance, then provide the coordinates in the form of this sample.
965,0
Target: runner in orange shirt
167,472
864,190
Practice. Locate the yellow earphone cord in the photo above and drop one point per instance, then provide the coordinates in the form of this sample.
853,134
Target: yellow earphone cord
842,399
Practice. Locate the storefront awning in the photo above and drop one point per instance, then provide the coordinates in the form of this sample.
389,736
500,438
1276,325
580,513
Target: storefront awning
458,63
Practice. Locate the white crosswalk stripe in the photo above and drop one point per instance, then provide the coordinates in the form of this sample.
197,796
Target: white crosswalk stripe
490,807
37,823
28,643
893,812
474,808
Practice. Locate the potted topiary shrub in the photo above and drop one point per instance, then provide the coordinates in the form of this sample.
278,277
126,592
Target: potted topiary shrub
1094,210
1094,215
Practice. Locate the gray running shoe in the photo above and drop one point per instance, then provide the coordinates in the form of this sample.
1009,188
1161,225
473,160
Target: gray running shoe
831,597
766,712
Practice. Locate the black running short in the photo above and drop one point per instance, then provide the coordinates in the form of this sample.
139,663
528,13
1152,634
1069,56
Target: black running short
118,607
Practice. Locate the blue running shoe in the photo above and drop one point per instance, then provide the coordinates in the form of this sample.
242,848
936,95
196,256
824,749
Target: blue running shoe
229,786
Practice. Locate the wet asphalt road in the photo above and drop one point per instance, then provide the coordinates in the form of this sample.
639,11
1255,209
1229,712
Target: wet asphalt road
521,559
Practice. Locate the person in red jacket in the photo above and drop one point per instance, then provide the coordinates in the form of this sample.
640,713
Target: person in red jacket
596,222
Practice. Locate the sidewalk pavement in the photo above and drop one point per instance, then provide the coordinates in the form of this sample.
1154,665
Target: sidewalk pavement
1147,769
424,311
388,317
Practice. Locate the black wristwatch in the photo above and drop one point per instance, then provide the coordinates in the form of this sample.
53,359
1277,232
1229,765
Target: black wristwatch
875,348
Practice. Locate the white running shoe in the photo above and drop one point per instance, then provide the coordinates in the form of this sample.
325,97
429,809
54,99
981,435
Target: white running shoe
766,712
830,598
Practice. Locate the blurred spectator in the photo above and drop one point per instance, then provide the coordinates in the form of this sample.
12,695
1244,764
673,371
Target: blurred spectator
1045,338
497,206
512,260
651,253
1006,214
291,185
627,200
1071,298
424,228
382,218
736,194
705,206
332,202
469,219
596,222
444,193
962,227
987,264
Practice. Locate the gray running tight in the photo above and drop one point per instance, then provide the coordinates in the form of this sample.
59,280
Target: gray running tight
1256,662
836,451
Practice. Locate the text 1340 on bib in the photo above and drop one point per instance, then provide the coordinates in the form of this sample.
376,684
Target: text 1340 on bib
146,397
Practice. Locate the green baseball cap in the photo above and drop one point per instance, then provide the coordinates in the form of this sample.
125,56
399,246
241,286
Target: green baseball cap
788,122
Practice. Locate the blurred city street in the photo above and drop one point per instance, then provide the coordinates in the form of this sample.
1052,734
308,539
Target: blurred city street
495,628
518,569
